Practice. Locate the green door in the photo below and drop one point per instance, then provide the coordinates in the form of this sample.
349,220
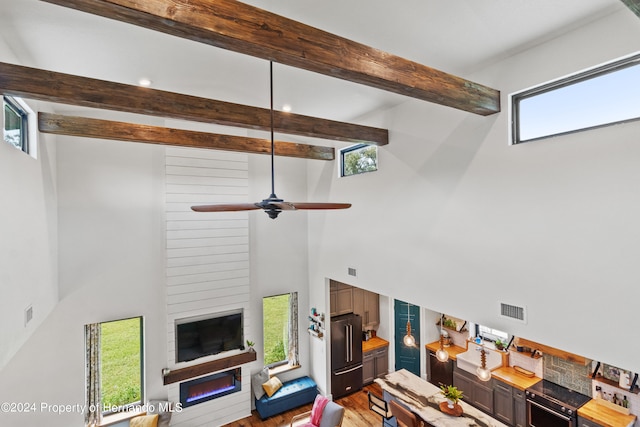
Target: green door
407,357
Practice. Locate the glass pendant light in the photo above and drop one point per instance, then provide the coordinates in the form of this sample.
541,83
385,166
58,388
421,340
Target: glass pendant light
442,355
409,340
482,372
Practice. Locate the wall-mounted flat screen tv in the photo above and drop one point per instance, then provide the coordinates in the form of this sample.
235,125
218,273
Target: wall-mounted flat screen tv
206,335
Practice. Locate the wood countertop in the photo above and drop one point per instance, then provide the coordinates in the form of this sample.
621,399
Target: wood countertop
424,399
604,416
453,350
510,376
374,343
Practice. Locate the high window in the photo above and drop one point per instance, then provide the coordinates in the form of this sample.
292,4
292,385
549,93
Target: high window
15,129
602,96
114,367
280,330
357,159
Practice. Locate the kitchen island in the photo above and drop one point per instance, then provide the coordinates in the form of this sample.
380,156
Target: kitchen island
424,399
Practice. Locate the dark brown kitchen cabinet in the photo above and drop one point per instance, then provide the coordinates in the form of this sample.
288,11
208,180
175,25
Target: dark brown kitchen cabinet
340,298
509,405
382,362
477,393
375,364
519,408
345,299
503,405
367,305
368,367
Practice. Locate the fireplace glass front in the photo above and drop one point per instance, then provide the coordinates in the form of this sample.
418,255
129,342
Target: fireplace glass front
210,387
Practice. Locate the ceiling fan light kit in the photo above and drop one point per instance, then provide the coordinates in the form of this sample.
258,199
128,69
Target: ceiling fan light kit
272,205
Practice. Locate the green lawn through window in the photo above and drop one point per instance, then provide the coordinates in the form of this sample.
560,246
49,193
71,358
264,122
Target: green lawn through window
275,328
120,362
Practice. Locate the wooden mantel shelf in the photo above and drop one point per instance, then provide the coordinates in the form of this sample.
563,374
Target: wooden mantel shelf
209,367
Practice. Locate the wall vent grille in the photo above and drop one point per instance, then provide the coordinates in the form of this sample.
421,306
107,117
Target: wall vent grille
28,315
513,312
352,272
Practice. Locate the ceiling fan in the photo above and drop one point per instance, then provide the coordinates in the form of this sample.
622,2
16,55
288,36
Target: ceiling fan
271,205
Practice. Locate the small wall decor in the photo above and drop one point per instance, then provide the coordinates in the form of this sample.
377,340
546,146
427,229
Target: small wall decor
316,323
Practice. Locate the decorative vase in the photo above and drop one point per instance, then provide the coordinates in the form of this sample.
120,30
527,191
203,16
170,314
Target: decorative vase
451,404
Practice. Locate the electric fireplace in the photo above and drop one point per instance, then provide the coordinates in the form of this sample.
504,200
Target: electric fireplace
210,387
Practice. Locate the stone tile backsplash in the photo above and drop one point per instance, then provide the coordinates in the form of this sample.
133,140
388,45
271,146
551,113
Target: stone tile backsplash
568,374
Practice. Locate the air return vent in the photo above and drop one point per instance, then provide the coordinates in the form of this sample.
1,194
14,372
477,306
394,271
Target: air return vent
352,272
28,315
513,312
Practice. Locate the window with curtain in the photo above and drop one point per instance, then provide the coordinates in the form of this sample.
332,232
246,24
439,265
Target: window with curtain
280,330
114,367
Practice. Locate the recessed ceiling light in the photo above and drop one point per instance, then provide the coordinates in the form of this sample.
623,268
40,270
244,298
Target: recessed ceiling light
144,82
286,108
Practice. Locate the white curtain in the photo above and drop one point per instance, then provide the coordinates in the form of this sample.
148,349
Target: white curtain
93,416
293,357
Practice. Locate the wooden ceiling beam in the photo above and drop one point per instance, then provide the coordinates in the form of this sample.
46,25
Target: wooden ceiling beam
246,29
87,92
633,5
120,131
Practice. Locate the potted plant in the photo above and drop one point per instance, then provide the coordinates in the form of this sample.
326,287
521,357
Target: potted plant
452,394
450,324
250,344
500,345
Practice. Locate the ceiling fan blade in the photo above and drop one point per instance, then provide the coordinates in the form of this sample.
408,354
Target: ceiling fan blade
283,206
231,207
311,205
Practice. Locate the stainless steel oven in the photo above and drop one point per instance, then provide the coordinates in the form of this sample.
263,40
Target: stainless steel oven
542,416
552,405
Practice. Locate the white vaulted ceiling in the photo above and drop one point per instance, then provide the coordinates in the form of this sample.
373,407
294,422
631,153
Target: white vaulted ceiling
458,37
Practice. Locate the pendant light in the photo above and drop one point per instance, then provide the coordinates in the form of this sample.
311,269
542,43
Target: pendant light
482,372
442,355
409,340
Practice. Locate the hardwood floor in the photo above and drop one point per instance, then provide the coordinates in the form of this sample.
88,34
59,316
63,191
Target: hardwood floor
357,413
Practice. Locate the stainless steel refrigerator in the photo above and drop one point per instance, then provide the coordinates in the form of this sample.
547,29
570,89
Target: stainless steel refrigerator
346,354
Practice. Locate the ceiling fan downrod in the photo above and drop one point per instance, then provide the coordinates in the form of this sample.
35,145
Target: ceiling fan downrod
272,205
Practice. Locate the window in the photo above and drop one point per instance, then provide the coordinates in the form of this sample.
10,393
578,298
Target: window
280,329
15,129
114,366
599,97
357,159
490,334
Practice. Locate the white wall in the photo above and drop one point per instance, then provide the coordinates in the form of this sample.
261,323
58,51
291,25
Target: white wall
457,220
111,267
28,220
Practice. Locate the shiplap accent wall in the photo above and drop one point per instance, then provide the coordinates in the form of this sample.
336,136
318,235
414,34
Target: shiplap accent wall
207,262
